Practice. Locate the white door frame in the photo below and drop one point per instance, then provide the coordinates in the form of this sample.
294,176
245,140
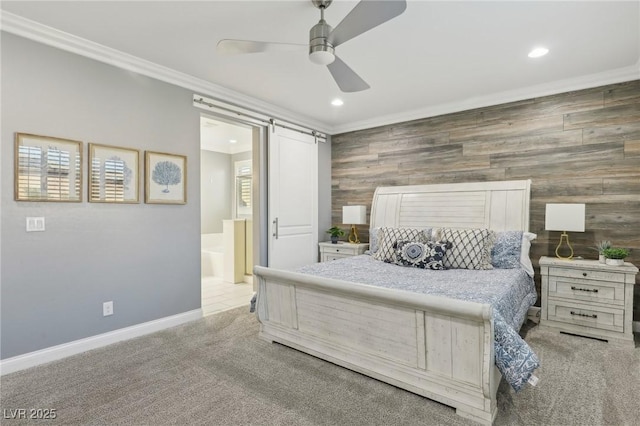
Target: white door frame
262,125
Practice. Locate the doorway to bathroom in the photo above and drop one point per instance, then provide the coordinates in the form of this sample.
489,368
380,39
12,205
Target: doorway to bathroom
227,201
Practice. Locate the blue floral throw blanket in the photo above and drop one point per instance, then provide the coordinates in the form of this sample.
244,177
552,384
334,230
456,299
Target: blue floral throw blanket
510,292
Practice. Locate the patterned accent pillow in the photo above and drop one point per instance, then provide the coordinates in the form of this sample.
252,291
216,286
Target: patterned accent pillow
470,248
387,238
505,253
427,255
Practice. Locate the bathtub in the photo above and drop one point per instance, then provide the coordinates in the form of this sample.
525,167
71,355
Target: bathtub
212,255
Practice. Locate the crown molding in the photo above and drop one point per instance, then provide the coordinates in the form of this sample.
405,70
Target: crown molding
618,75
32,30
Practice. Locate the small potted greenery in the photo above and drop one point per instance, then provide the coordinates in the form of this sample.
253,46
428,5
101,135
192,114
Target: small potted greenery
335,233
615,255
600,247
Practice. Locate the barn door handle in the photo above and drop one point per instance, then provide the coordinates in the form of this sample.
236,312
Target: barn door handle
275,233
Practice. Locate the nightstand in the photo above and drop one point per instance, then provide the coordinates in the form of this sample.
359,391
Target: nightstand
330,251
588,298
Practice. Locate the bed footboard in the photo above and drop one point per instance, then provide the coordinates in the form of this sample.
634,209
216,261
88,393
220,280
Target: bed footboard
435,347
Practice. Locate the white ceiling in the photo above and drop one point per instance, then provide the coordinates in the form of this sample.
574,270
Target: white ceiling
435,58
220,136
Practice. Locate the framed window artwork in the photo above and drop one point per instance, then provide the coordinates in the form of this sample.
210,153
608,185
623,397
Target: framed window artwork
113,174
165,178
47,169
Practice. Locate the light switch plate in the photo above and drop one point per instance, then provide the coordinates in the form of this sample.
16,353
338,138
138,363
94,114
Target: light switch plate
35,224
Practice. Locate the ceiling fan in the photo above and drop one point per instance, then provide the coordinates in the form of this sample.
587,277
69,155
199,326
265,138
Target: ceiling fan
323,39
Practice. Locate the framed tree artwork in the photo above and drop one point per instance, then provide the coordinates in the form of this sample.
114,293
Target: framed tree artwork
47,169
165,178
113,174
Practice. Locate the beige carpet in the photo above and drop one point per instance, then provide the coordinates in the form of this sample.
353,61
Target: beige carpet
216,371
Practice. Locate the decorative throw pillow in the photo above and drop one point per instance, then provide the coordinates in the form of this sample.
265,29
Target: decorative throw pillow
373,240
470,248
505,253
427,255
525,260
387,238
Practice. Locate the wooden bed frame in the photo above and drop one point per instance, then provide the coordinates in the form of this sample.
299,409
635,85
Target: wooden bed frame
436,347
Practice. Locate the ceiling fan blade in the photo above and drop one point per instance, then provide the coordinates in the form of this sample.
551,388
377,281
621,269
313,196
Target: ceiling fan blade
366,15
348,81
230,46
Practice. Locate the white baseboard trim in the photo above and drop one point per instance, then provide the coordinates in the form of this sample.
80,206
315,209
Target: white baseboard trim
54,353
636,326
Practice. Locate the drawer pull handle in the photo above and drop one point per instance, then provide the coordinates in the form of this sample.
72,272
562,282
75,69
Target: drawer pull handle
595,290
337,250
580,314
584,274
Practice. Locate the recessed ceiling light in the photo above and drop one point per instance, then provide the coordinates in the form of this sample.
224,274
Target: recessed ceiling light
232,141
538,52
337,102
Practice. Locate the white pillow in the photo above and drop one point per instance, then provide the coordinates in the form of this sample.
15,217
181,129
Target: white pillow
525,260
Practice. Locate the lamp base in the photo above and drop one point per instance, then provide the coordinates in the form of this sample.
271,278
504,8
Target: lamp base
353,235
564,236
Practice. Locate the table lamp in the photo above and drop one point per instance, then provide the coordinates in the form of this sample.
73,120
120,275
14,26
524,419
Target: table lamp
354,215
564,217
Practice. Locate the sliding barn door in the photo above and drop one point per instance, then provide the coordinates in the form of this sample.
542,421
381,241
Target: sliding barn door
293,198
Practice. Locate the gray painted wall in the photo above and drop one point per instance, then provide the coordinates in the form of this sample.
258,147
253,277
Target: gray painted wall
146,258
240,156
216,188
216,185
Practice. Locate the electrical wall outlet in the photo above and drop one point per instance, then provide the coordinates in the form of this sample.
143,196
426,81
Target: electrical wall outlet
107,308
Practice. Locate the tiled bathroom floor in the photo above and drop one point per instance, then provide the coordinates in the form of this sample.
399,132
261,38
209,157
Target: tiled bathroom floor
218,296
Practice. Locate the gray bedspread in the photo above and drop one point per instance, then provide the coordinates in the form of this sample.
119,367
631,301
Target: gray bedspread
510,292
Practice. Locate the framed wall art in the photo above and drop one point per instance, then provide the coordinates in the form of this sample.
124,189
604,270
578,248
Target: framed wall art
114,175
165,178
47,169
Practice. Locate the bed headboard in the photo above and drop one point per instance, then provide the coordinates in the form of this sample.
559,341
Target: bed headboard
498,205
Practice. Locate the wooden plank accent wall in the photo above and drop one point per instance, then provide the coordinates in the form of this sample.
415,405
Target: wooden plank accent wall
577,147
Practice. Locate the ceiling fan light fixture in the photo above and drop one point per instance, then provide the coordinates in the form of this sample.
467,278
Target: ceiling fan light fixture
321,52
337,102
322,57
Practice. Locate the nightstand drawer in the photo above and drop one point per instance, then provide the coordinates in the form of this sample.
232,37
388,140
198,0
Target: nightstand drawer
584,274
329,251
585,315
328,257
338,249
606,292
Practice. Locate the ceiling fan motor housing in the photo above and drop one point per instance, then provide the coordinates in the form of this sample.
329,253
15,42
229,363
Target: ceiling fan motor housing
320,50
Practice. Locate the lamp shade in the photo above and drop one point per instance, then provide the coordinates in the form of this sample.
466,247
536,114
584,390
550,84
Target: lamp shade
354,215
564,217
